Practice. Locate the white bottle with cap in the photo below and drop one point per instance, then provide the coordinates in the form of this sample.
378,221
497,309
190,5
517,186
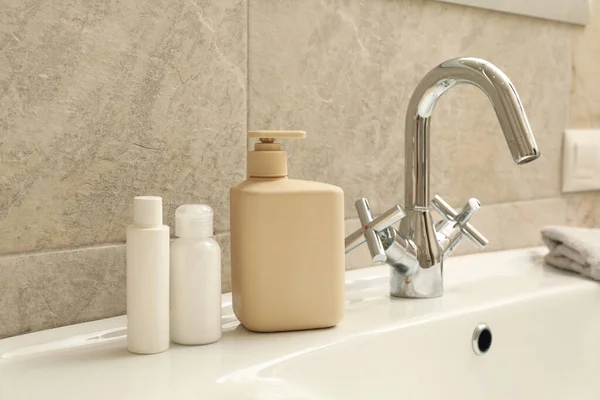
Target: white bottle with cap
147,278
195,277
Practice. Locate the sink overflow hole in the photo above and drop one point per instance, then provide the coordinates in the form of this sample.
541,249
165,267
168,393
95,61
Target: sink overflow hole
482,339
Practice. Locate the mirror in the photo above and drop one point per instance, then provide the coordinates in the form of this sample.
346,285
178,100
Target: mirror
572,11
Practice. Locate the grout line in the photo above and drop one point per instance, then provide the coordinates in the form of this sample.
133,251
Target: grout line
247,71
523,201
486,205
98,246
217,233
59,250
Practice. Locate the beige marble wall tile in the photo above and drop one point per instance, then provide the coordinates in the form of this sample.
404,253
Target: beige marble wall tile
516,225
102,102
507,226
46,290
583,209
585,87
344,71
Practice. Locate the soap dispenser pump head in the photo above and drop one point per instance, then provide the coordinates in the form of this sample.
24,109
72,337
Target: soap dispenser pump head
268,160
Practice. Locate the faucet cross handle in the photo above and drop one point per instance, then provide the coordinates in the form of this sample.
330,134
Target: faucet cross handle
372,228
457,224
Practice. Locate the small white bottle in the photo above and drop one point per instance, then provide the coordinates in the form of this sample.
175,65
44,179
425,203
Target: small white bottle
147,278
195,277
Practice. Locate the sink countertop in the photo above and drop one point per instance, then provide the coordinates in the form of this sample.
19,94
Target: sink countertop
90,360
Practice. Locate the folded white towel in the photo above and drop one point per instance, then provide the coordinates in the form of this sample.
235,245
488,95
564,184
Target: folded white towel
573,249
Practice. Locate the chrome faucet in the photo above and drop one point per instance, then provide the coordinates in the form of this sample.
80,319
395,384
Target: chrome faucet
416,250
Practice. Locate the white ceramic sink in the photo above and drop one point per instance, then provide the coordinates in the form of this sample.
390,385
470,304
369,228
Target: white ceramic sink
546,345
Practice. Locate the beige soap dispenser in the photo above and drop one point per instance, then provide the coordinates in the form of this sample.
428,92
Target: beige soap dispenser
287,244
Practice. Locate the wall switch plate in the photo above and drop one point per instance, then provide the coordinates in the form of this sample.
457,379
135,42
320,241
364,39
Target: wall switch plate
581,160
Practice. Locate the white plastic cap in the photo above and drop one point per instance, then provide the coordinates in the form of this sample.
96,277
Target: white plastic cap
194,221
147,211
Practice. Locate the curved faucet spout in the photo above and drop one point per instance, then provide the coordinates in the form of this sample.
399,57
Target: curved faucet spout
504,98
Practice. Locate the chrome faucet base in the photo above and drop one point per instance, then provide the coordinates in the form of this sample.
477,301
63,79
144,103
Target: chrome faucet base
424,280
424,284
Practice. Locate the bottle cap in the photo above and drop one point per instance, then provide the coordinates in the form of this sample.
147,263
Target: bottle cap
147,211
194,221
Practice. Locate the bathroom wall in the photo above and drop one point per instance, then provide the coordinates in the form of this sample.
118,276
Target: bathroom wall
584,208
101,102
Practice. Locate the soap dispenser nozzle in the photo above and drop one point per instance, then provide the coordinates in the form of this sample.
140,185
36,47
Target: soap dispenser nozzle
268,160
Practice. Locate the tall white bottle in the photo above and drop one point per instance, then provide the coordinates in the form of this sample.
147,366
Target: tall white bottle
195,277
147,278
